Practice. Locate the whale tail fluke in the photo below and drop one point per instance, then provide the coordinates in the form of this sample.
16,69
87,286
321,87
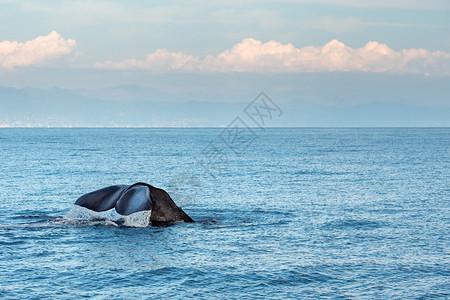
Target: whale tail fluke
135,198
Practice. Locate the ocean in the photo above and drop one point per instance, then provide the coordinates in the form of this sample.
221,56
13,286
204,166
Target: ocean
281,213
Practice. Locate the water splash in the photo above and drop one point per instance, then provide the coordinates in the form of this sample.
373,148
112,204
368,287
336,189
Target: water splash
82,215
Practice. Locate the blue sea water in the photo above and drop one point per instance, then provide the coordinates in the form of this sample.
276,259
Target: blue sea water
296,213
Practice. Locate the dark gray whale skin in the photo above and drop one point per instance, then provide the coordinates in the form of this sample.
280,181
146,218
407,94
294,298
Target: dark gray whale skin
137,197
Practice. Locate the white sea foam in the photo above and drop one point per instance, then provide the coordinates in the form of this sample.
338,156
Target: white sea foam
79,214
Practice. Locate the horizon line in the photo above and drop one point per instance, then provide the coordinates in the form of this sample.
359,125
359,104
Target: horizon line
218,127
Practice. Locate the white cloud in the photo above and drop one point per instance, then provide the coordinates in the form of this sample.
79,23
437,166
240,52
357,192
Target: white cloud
35,52
252,55
158,61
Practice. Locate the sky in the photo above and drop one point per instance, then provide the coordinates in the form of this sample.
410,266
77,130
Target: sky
164,44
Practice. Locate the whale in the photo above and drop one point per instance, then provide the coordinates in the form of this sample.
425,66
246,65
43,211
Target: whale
129,199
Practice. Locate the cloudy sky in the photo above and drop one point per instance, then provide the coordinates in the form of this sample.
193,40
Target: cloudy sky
98,44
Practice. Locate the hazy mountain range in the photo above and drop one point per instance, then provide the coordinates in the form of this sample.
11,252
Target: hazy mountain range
129,105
